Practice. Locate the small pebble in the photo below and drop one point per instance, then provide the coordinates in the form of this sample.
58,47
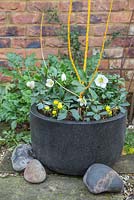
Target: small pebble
35,172
21,156
100,178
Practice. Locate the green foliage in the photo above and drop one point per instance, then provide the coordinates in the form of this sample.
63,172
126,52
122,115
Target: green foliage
11,139
129,143
15,98
52,16
65,88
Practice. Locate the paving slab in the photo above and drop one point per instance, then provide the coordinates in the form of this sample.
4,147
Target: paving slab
56,187
125,165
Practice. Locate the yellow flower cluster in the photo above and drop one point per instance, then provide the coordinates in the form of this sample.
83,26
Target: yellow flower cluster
54,109
57,105
109,111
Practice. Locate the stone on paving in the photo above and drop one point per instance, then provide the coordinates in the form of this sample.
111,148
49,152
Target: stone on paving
21,156
100,178
34,172
56,187
125,165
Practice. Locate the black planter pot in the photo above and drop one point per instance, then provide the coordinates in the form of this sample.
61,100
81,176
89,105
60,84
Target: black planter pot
70,147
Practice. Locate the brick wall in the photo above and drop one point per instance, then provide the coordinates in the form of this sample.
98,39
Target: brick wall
20,29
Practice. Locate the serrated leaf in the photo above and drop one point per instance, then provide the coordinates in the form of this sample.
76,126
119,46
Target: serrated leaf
40,106
93,94
75,114
125,104
89,114
62,115
122,109
97,117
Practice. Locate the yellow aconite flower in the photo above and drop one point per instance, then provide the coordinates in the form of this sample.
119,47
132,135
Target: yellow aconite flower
47,108
108,108
110,112
54,112
60,106
55,102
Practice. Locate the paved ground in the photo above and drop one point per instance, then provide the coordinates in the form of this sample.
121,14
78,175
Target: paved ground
56,187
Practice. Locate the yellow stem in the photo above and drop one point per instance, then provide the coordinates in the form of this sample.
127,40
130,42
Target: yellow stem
42,53
69,43
102,49
87,35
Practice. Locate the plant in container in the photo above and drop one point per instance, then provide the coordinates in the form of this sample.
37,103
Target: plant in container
79,115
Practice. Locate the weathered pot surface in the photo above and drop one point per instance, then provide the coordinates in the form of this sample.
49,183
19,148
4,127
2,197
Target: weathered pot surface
70,147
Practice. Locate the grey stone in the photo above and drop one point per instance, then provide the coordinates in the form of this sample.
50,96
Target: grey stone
34,172
100,178
57,187
21,156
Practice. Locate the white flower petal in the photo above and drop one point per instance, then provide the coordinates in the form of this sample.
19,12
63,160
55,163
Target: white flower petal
83,101
30,84
49,83
63,77
101,81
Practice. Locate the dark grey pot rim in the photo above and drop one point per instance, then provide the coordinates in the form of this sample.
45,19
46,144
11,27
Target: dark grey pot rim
35,112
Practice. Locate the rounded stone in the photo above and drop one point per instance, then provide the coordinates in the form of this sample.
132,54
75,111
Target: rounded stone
35,172
100,178
21,156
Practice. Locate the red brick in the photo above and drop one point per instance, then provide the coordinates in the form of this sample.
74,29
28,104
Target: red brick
122,28
128,75
104,5
25,43
12,6
96,5
129,64
99,29
5,43
93,41
47,51
131,4
3,18
113,53
25,18
4,79
104,64
47,30
54,42
41,6
129,52
4,53
132,86
82,18
115,63
8,31
119,17
122,42
63,51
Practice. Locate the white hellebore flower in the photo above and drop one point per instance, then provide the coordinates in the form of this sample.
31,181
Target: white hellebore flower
101,81
63,77
83,101
49,83
30,84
